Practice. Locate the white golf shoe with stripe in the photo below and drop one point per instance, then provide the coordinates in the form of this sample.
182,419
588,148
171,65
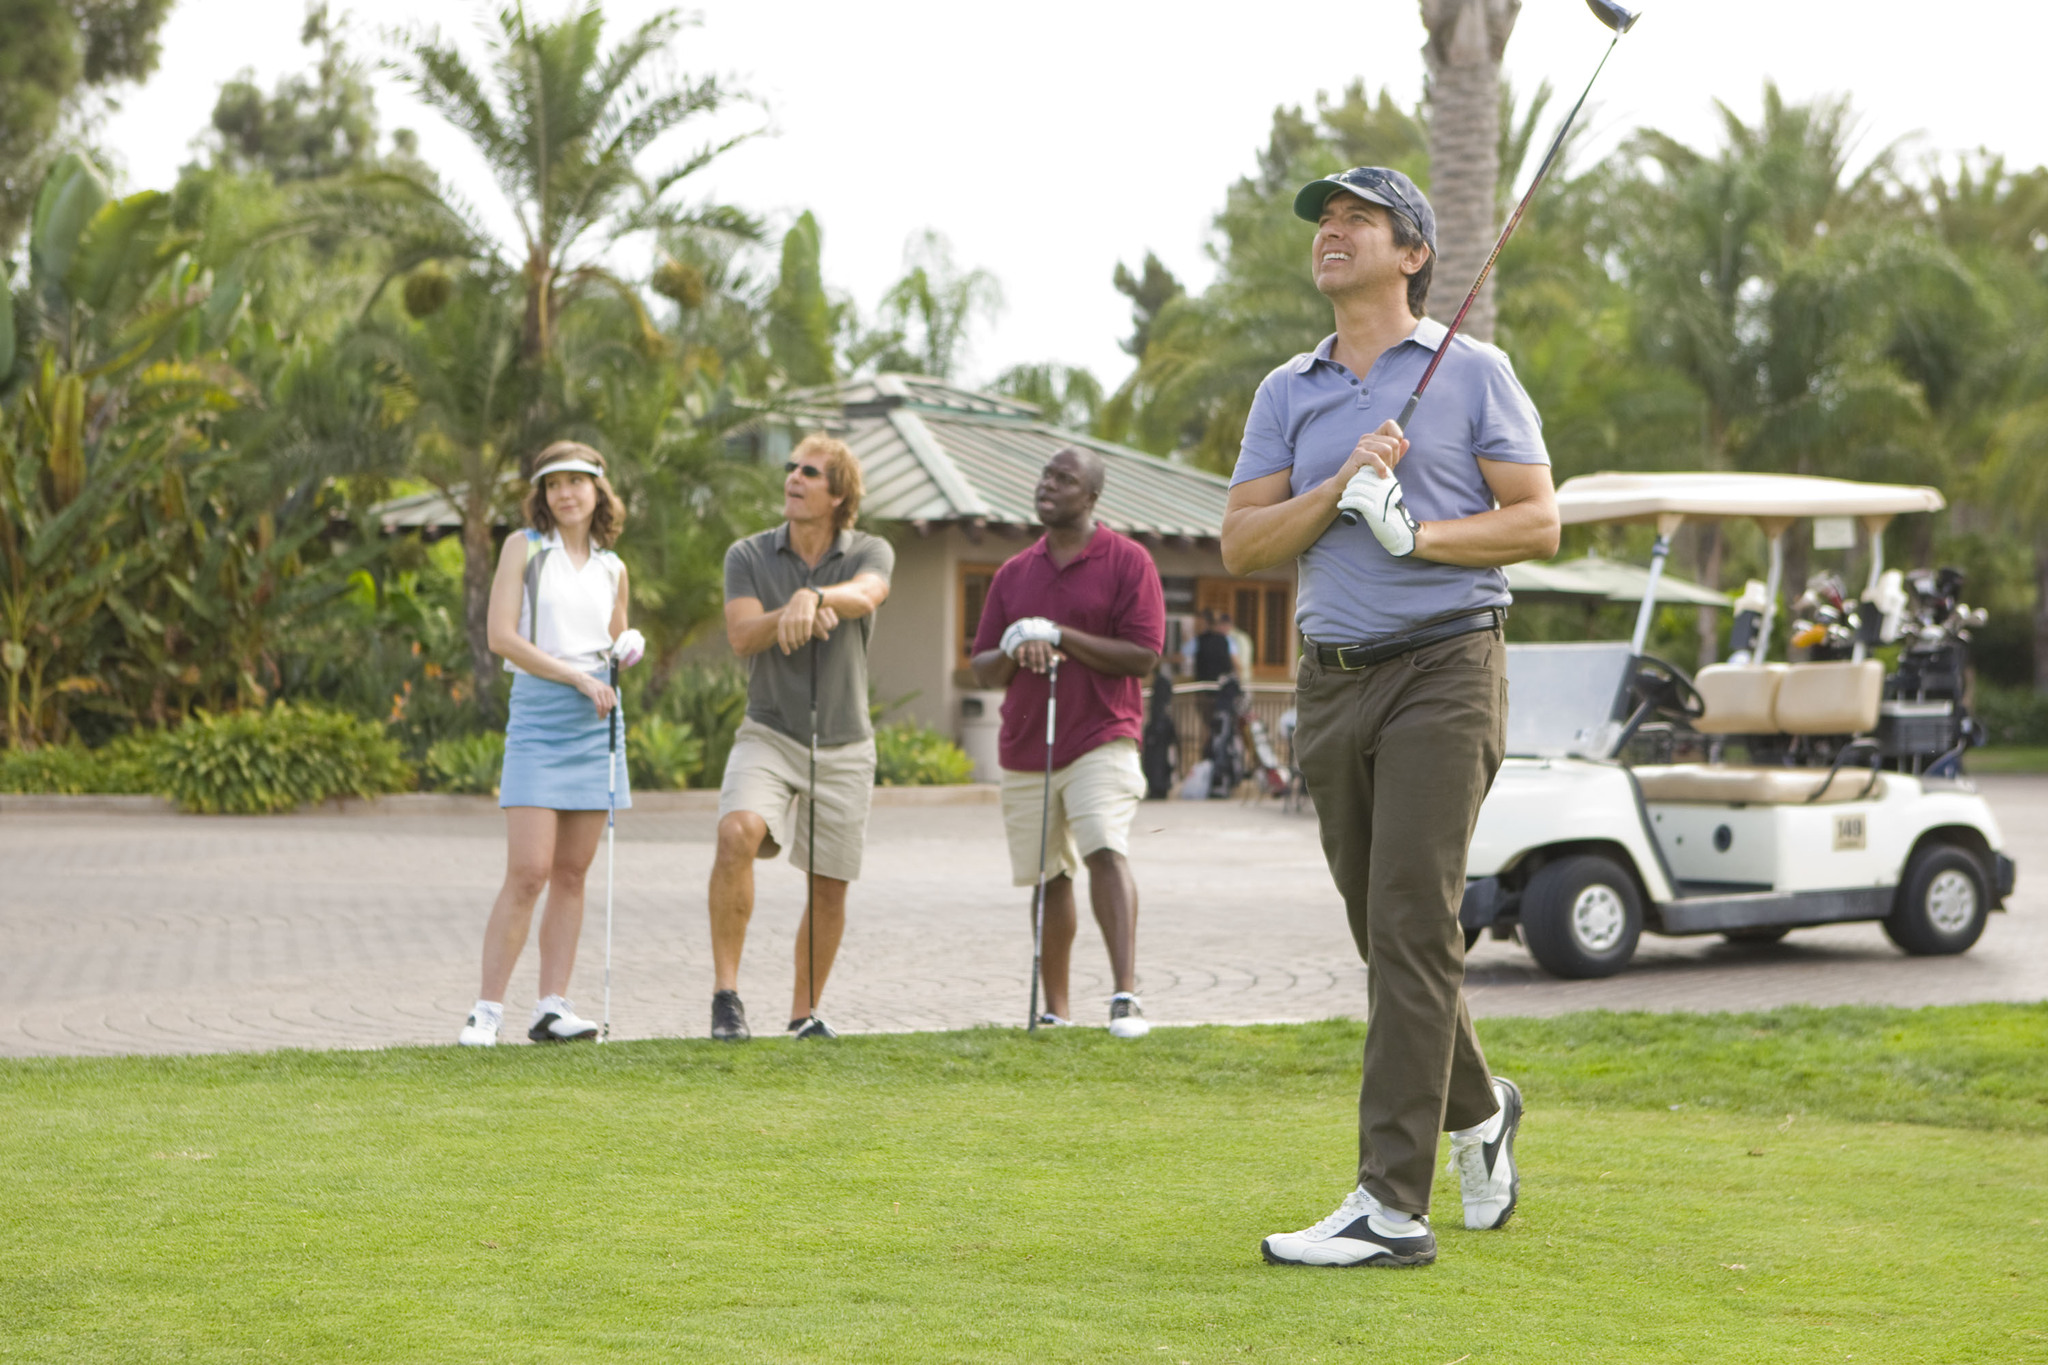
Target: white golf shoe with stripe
1484,1158
1361,1232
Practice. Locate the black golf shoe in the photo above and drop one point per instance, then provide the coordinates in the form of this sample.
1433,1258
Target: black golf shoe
728,1017
811,1026
1361,1232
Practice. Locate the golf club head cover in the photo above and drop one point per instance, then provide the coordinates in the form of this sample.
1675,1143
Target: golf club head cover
629,648
1029,628
1375,498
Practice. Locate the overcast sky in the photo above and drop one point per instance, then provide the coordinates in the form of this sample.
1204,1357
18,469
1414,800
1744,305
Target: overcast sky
1050,141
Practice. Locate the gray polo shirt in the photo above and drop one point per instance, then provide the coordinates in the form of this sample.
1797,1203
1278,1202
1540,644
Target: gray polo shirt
1308,417
764,567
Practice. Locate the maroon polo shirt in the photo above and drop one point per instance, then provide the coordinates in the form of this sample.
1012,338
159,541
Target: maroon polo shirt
1110,589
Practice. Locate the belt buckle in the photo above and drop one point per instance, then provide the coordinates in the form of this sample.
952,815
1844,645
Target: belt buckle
1345,654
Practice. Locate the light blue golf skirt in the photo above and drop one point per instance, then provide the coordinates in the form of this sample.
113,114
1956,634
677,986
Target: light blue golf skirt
556,749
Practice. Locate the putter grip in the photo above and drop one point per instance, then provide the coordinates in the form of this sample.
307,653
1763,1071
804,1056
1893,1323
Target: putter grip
1414,401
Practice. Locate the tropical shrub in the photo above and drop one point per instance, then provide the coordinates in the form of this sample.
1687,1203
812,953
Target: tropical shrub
255,762
908,754
711,700
2012,715
663,754
121,767
468,764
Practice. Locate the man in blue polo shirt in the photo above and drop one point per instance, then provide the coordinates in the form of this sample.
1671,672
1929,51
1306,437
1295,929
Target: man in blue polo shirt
1403,683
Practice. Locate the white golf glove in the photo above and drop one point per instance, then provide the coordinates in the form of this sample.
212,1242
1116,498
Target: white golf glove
1026,629
629,648
1375,498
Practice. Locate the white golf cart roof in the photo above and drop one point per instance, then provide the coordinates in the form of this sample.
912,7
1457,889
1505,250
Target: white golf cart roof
1592,498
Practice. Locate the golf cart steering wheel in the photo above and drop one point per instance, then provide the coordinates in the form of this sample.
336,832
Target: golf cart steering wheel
1663,689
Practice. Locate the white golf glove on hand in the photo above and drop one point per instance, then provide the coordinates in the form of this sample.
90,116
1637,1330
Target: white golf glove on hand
1029,628
629,648
1375,498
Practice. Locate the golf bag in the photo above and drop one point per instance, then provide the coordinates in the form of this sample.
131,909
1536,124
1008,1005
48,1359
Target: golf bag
1225,749
1162,739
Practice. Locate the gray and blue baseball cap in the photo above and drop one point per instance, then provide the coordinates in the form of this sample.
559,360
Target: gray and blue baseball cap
1376,185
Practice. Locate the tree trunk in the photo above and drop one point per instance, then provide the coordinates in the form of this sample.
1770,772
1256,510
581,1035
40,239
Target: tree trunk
1709,620
477,571
1466,41
2040,608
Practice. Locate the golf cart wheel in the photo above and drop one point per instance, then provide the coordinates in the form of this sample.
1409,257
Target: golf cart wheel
1941,905
1768,933
1581,917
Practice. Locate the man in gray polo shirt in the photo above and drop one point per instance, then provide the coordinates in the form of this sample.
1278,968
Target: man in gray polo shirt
799,606
1403,685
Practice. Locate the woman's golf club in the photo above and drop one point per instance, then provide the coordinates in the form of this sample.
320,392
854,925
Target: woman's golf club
611,837
1616,18
1052,697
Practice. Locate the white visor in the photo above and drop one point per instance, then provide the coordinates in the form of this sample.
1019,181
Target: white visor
567,467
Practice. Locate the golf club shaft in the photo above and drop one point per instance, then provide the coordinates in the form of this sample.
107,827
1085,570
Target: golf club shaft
1443,347
811,856
611,833
1052,680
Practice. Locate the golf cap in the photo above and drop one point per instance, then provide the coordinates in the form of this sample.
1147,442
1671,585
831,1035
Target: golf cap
568,464
1376,185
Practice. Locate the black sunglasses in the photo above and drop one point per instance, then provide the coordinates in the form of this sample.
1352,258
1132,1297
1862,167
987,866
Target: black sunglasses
1379,184
811,471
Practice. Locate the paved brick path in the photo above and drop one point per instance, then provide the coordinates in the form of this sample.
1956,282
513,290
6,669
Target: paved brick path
184,934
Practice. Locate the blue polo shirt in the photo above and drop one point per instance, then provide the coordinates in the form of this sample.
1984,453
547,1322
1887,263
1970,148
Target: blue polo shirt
1308,417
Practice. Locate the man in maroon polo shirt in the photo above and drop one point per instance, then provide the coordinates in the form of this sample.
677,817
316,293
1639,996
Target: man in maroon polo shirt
1091,599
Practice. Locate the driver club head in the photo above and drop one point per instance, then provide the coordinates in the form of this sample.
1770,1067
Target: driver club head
1617,17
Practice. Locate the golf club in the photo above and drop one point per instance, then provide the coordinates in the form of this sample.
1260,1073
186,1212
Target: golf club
1052,697
811,856
1616,18
611,837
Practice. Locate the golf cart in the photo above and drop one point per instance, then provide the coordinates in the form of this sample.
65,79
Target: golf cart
1849,802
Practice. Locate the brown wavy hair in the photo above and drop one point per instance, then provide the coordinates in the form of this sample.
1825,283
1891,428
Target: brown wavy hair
842,473
606,521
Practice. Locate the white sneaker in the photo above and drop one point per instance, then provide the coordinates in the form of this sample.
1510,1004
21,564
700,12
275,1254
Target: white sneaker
555,1022
1126,1016
1047,1019
481,1028
1361,1232
1484,1158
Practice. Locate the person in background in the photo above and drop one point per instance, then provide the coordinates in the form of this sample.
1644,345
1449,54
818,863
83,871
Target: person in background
1211,654
1091,599
557,617
800,602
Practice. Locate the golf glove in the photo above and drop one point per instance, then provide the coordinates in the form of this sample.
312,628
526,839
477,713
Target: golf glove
629,648
1029,628
1375,498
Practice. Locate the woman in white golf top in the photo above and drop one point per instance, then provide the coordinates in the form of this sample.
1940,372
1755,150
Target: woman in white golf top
557,641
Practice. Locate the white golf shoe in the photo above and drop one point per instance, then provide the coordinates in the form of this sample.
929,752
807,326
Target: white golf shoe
481,1028
1127,1016
555,1022
1362,1231
1484,1158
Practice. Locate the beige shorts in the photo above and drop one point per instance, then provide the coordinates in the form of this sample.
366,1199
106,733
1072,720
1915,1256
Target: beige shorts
1094,800
768,771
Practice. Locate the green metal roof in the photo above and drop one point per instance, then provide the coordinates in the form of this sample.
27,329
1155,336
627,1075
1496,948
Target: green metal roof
932,452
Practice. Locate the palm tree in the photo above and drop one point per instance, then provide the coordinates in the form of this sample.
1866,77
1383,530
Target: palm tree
563,126
1467,39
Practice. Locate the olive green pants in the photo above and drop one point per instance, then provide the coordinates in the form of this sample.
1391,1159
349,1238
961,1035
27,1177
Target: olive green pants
1397,756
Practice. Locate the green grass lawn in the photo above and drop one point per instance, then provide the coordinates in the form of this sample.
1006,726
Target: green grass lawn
2015,759
1802,1185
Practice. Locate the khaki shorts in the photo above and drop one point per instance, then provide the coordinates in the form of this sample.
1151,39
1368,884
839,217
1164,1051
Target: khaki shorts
768,771
1094,800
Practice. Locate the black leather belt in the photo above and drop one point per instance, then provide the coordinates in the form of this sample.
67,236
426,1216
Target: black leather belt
1349,657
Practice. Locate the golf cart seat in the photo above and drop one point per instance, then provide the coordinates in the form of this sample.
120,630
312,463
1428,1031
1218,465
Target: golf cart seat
1741,699
1830,698
1790,699
1741,784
